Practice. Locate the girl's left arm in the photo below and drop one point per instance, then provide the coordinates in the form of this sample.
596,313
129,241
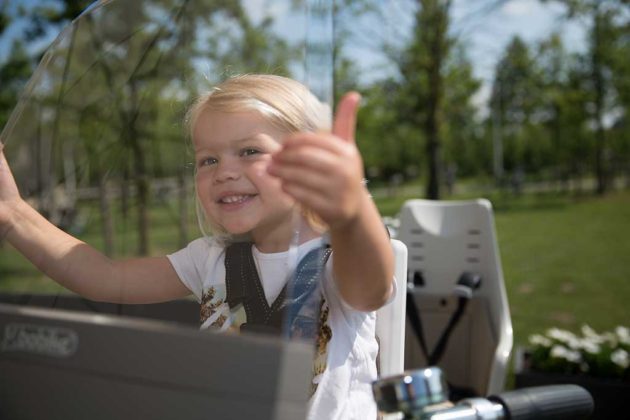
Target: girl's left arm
324,171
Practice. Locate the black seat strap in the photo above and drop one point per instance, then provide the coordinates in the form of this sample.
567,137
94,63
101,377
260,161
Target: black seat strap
243,286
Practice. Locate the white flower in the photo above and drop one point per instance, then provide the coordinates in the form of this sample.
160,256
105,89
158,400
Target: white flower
562,352
590,346
539,340
611,338
623,333
620,358
591,334
574,343
561,335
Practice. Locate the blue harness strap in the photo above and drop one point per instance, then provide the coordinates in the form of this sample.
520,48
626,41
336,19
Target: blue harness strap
302,312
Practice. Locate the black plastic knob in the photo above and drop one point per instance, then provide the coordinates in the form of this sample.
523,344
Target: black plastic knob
546,403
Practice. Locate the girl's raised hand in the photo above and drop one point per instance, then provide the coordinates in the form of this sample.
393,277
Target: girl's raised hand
324,171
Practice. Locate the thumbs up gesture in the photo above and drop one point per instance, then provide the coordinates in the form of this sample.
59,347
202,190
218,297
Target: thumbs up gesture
324,171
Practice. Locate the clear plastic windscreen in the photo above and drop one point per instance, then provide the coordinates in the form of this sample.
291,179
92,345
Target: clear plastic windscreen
106,138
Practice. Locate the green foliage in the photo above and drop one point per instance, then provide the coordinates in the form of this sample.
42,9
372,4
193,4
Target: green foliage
461,129
4,18
14,73
387,146
603,76
240,46
515,98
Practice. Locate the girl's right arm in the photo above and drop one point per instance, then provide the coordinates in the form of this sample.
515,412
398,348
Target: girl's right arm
76,265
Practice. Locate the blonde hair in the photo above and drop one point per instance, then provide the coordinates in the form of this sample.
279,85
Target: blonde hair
285,103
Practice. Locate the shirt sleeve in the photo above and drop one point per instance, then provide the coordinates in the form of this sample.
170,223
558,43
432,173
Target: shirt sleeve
190,265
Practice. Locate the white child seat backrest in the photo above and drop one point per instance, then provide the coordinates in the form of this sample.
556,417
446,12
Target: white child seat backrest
390,319
445,239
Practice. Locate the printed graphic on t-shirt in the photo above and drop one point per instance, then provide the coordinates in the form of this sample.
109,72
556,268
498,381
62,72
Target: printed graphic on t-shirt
321,346
210,304
215,313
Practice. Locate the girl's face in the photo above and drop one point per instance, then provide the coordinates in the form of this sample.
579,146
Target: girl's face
232,152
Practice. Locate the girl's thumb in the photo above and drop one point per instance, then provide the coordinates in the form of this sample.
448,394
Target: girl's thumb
346,117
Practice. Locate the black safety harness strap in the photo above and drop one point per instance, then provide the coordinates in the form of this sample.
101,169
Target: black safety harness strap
243,286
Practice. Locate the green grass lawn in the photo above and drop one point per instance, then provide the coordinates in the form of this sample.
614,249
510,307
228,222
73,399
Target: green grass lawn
566,259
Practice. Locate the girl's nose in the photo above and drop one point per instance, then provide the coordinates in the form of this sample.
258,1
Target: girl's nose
227,171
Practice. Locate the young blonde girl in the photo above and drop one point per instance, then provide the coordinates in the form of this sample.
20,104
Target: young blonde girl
261,152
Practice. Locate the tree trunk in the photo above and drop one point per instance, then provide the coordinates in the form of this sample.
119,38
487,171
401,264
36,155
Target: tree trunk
142,190
141,174
433,153
107,222
69,170
125,193
601,171
45,175
437,44
142,184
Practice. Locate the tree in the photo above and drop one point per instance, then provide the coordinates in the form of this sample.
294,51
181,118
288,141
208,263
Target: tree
14,73
424,101
515,98
15,70
4,18
562,111
460,126
422,68
603,36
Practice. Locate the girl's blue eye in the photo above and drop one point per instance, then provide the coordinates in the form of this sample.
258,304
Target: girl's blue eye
249,152
207,161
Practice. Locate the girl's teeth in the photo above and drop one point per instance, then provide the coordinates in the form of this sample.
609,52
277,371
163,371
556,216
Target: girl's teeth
233,199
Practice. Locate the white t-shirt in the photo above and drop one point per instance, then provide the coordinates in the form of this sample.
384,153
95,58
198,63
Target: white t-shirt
344,389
